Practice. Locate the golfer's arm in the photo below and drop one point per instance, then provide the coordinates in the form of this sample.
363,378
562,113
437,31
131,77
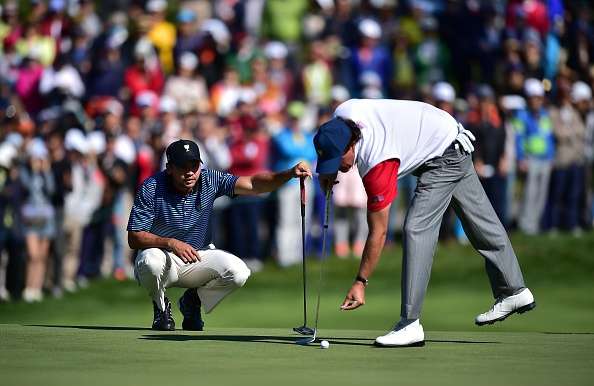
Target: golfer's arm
262,182
378,229
144,240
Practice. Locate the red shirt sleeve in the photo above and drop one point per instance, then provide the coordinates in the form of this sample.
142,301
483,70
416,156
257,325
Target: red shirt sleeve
381,184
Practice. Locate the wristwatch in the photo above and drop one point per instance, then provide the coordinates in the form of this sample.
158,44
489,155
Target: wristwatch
362,280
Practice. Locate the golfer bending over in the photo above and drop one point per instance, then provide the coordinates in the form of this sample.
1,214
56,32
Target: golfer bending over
170,227
388,139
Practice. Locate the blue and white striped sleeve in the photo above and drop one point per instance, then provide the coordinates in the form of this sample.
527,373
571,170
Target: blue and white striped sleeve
225,183
143,210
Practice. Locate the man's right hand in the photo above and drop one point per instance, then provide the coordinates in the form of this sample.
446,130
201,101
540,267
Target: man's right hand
184,251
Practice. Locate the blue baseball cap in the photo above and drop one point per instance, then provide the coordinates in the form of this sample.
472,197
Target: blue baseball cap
331,141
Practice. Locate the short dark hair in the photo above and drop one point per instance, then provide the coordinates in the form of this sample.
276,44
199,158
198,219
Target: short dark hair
355,131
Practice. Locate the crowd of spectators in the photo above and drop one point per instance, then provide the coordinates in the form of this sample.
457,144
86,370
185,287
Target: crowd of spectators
91,93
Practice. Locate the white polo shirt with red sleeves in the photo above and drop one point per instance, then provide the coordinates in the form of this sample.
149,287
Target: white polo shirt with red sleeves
413,132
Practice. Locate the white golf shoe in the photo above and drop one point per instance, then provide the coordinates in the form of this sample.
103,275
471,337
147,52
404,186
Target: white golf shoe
504,307
404,334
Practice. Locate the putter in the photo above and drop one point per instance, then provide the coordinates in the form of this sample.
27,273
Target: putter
311,339
303,330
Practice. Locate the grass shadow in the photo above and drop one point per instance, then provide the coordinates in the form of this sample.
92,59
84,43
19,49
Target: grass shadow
101,328
283,339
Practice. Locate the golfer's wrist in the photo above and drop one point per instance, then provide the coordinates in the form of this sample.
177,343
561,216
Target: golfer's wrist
361,280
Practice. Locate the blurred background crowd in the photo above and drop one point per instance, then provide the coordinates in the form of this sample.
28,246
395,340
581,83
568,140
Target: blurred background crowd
92,92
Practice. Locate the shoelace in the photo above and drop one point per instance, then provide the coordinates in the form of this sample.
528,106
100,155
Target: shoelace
497,301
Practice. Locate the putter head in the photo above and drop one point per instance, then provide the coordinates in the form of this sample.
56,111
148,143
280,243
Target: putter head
303,330
308,339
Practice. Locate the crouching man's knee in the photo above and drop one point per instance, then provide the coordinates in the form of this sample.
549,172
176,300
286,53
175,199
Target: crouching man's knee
150,262
240,274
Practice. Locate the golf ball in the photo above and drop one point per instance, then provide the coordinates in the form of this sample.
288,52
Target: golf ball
324,344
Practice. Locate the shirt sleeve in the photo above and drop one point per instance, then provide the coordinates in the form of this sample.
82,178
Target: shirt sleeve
381,184
225,183
142,215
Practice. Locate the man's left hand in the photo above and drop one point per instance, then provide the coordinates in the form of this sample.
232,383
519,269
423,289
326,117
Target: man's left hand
301,170
465,139
355,297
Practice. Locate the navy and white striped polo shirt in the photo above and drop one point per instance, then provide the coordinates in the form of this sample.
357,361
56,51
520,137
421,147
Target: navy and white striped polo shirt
161,210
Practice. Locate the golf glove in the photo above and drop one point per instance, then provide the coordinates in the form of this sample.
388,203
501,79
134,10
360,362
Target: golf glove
465,139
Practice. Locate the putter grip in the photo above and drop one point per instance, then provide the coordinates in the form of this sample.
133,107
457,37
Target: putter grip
302,188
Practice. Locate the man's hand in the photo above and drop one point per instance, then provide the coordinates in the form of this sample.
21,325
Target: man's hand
184,251
327,181
301,170
465,139
355,297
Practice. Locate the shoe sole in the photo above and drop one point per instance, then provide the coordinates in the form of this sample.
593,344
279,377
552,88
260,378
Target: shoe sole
415,344
521,310
163,329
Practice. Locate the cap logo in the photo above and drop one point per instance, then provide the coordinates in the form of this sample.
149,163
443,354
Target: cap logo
187,147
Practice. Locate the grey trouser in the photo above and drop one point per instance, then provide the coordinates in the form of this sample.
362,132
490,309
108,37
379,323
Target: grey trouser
536,192
452,177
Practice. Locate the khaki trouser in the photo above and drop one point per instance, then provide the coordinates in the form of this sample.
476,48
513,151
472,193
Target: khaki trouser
215,276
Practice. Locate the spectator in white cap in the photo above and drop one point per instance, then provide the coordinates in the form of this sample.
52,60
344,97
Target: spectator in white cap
279,75
38,216
370,56
79,203
187,88
535,151
581,96
168,119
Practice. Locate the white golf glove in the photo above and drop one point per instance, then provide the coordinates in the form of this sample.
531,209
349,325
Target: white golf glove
465,139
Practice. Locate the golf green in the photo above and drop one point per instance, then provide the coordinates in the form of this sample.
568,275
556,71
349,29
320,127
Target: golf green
99,335
104,355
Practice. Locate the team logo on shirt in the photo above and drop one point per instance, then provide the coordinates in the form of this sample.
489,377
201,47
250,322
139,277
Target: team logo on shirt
187,147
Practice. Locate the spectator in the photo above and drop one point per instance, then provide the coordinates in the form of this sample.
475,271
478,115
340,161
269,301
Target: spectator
61,81
567,177
351,211
161,33
432,56
214,151
249,154
33,43
61,171
535,151
27,83
489,156
188,88
38,216
79,204
370,56
290,146
317,75
11,237
106,75
581,95
188,39
145,74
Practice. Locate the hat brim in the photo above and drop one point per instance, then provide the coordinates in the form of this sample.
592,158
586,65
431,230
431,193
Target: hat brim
328,166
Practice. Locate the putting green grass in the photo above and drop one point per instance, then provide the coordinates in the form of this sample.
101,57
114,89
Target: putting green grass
99,335
85,355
